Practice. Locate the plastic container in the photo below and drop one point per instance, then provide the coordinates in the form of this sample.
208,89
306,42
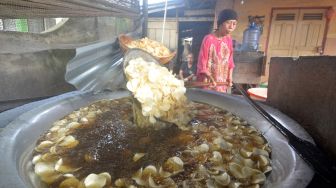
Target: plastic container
251,38
258,93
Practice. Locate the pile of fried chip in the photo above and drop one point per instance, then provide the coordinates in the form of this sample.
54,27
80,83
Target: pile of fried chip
151,46
160,94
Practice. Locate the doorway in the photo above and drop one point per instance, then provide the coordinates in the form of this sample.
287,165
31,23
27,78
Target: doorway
193,32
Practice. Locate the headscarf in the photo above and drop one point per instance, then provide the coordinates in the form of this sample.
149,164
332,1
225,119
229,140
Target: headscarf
226,14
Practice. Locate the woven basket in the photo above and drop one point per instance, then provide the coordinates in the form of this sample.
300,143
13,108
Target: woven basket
124,40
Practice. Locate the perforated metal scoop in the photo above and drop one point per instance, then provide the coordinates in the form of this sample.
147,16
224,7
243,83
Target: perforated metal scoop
136,53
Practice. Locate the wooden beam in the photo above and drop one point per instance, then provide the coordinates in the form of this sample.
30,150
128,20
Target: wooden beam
185,19
196,19
199,12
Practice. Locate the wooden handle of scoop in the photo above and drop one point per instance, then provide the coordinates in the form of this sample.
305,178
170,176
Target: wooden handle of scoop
203,84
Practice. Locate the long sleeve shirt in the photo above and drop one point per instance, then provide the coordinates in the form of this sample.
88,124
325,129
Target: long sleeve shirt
216,58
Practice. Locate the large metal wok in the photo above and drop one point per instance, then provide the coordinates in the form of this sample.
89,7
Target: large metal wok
18,139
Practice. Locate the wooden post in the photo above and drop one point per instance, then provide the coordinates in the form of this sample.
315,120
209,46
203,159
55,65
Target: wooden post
145,16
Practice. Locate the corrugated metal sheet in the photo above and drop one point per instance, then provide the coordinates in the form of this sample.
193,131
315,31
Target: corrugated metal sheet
97,67
68,8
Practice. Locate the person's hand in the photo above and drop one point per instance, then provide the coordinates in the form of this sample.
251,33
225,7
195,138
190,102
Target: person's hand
229,81
213,82
187,79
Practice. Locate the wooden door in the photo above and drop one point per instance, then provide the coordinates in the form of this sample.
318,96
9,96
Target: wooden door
282,35
310,31
296,32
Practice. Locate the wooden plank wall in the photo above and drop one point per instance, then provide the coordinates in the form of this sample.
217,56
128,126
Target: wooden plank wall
170,34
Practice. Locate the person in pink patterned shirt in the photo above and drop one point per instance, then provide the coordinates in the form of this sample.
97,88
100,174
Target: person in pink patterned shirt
215,60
